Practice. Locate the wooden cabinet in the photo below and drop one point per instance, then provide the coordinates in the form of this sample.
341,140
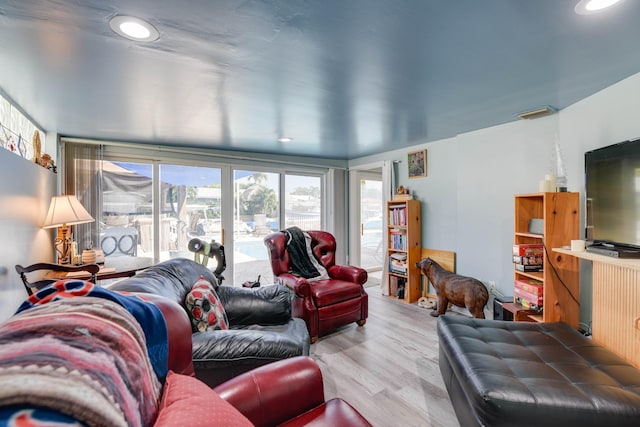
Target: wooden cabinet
560,215
616,303
404,233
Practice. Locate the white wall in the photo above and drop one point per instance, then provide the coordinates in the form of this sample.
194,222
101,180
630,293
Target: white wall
467,197
25,192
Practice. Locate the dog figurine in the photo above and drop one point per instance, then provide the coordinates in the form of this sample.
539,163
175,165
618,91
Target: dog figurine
455,289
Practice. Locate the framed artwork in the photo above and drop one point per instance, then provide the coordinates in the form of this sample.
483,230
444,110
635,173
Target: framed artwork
417,164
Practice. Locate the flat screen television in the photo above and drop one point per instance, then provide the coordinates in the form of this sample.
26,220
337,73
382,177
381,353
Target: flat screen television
612,197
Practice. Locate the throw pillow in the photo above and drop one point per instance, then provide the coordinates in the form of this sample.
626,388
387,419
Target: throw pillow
205,309
188,401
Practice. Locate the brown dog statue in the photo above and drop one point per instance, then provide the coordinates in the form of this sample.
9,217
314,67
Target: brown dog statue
458,290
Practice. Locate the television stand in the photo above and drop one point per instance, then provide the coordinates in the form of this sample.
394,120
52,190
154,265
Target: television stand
615,251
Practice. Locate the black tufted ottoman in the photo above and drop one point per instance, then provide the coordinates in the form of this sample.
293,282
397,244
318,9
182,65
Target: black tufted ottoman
531,374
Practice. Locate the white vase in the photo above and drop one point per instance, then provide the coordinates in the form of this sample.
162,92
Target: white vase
88,256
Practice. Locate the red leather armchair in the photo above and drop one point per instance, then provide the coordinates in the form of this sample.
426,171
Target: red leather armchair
323,304
288,393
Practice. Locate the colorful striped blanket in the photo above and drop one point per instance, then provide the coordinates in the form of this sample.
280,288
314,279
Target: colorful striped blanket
87,353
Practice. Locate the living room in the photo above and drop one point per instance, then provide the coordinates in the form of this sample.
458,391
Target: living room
467,196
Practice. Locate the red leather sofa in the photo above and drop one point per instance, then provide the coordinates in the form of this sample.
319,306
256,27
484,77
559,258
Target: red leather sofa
323,304
286,393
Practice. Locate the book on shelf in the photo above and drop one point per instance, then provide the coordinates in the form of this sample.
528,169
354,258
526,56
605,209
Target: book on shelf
398,267
398,263
398,241
528,249
393,285
396,286
528,268
532,286
528,260
532,300
526,304
398,215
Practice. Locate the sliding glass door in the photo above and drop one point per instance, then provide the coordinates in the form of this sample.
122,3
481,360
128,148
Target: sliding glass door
154,209
187,206
190,203
256,213
259,210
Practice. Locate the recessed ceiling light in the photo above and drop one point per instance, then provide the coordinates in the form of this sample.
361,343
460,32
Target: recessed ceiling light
285,139
586,7
133,28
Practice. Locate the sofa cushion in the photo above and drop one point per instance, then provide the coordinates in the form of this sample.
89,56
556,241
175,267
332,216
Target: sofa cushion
328,292
188,401
205,309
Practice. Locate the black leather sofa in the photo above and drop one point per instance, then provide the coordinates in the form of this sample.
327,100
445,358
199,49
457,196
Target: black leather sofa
530,374
261,329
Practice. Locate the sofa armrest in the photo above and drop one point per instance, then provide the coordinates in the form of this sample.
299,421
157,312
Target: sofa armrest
298,285
277,392
178,331
269,305
348,273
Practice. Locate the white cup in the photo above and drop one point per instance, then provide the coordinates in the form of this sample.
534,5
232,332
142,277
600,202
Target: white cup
578,245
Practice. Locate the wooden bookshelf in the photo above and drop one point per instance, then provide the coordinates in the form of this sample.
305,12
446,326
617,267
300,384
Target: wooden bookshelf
404,249
560,213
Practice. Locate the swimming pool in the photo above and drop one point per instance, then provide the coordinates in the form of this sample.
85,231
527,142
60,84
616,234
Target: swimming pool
254,249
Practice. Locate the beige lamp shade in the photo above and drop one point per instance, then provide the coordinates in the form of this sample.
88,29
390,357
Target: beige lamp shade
66,210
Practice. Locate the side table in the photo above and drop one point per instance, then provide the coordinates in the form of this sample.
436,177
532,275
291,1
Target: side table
113,268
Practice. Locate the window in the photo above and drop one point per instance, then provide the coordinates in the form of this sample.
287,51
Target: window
153,208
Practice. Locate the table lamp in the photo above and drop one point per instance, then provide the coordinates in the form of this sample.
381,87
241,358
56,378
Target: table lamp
65,211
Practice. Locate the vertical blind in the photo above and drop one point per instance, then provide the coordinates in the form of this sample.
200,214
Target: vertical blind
81,171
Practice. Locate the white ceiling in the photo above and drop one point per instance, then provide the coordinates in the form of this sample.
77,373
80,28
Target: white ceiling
344,78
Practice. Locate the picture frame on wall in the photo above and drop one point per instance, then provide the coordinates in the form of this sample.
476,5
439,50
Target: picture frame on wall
417,163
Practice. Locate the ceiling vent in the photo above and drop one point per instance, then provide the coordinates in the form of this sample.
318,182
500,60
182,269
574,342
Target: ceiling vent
538,112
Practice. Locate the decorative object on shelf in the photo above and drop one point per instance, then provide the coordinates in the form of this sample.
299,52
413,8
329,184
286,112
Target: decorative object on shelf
47,162
43,159
37,147
88,256
578,245
561,175
65,211
417,164
402,193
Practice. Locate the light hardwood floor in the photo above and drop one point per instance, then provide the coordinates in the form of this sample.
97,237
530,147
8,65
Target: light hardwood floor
387,369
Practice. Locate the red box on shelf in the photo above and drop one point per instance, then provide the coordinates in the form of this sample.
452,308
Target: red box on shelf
532,286
527,260
529,249
532,299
